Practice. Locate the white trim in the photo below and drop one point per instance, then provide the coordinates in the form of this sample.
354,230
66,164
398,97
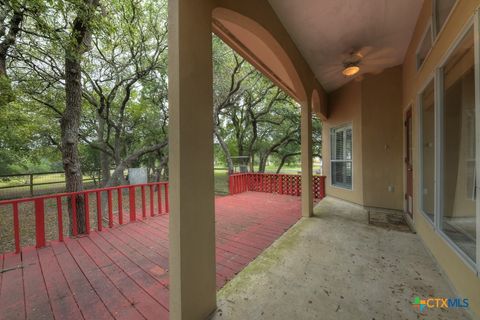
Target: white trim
438,142
420,146
458,39
405,154
476,41
439,134
332,129
455,248
425,84
429,26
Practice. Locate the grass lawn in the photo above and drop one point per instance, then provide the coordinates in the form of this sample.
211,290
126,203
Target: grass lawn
19,186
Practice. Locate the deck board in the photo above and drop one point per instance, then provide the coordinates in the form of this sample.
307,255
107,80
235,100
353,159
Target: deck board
60,296
90,304
12,302
122,273
37,304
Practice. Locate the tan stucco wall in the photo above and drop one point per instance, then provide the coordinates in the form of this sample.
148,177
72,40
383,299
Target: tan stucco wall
464,279
382,134
374,107
344,107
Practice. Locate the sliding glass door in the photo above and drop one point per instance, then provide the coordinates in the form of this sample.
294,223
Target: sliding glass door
458,155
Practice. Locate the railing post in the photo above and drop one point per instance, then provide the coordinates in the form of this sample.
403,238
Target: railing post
159,198
40,222
73,200
16,227
133,213
99,211
110,209
120,206
144,209
152,204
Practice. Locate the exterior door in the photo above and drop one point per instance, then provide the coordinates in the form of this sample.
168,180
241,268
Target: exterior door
408,163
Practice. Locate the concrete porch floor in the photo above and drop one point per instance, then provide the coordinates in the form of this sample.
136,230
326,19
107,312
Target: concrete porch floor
336,266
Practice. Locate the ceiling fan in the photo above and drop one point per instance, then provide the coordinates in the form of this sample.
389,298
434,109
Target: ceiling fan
364,60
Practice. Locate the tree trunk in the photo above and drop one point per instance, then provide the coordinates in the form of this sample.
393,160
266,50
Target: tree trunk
70,125
70,121
164,168
224,147
104,157
262,165
6,94
252,162
117,174
284,159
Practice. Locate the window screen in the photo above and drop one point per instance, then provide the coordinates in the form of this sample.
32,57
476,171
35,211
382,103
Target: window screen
341,162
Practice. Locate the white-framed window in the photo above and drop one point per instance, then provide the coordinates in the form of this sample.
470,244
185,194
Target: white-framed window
341,164
425,46
441,13
449,118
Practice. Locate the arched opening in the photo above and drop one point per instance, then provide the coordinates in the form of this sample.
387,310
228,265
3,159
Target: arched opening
257,45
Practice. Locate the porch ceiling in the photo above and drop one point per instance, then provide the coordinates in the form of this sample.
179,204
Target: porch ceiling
325,30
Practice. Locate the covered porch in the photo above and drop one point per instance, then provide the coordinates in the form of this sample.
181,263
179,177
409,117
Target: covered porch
363,69
336,265
331,264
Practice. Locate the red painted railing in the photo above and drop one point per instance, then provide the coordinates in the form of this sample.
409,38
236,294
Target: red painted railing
55,203
287,184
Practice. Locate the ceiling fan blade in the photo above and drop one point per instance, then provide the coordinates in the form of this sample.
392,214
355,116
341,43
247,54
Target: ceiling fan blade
331,71
380,54
364,51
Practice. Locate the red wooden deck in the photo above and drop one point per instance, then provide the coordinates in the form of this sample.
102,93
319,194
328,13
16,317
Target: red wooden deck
121,273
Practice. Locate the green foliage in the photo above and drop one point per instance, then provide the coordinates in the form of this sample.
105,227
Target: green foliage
6,92
24,144
125,91
254,118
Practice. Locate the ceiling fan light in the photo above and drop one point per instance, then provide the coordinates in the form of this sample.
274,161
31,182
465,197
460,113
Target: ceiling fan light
351,71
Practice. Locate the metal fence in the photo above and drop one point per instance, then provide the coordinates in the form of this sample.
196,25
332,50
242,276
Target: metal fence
35,184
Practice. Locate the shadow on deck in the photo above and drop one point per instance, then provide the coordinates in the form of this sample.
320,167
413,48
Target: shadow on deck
122,273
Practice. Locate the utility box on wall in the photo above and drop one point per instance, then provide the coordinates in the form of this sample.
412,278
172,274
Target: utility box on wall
137,175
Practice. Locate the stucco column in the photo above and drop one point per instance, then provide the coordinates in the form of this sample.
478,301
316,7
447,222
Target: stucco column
307,178
192,214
